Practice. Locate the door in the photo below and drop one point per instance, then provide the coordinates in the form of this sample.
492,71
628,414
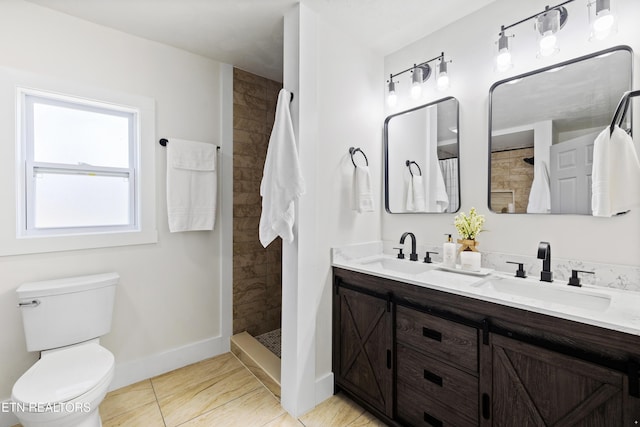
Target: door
362,347
570,175
533,386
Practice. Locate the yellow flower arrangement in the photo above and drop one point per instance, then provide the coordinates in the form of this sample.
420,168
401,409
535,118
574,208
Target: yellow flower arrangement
469,226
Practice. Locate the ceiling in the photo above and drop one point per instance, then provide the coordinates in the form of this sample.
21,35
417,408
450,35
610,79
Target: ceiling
582,95
249,33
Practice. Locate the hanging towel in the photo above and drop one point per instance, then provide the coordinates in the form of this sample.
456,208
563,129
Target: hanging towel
415,194
616,174
362,194
282,181
540,194
436,191
191,185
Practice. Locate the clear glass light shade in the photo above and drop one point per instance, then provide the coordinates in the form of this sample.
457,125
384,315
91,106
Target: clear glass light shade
548,24
443,76
603,22
416,83
503,58
392,96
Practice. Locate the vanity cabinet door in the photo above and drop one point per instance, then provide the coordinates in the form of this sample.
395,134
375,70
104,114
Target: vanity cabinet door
532,386
363,340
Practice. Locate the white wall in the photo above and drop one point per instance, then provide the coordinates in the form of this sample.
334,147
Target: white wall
470,43
167,308
337,105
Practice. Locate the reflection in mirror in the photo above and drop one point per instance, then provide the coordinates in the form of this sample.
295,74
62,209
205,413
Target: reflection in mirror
421,159
542,126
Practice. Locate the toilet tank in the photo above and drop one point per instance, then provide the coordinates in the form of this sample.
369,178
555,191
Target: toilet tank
61,312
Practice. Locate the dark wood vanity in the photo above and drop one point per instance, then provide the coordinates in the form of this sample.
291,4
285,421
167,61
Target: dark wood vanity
420,357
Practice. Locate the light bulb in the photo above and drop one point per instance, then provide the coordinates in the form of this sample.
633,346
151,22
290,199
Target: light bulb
416,83
443,81
392,97
416,91
603,21
603,25
503,60
548,44
443,76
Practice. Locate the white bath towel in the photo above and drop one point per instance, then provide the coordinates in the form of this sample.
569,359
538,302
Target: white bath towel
616,174
191,185
540,194
362,194
415,194
437,197
282,181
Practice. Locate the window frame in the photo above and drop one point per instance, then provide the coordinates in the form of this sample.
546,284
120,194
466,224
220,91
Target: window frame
27,98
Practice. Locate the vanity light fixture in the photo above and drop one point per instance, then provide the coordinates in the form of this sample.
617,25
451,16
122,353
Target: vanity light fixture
420,73
602,21
547,24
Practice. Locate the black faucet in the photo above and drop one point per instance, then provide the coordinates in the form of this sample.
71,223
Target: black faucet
414,255
544,253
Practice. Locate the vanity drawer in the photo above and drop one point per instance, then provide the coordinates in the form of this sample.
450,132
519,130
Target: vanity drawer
448,341
415,409
434,380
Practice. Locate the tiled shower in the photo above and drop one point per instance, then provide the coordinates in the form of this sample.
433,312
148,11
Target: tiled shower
257,291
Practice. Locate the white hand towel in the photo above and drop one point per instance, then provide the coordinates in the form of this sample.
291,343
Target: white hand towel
191,185
282,181
540,193
415,194
616,174
362,194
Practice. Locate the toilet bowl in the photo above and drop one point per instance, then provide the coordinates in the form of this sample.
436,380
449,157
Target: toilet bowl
65,387
64,318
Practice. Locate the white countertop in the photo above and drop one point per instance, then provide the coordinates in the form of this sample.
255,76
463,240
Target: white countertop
613,309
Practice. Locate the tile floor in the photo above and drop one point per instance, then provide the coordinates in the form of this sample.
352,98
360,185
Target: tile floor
218,392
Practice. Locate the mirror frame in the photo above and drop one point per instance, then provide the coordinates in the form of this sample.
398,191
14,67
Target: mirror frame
534,72
386,153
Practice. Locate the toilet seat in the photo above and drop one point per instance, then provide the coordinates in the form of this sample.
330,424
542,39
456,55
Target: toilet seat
63,375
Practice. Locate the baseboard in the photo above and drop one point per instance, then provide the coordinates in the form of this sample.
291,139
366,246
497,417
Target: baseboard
324,388
7,419
156,364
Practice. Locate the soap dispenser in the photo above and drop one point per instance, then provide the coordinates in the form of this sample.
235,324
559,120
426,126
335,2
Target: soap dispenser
449,253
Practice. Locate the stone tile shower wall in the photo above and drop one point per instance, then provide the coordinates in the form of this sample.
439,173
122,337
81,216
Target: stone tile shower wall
510,173
257,291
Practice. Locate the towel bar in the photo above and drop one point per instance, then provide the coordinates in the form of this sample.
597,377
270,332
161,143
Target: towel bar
353,151
411,162
621,109
164,141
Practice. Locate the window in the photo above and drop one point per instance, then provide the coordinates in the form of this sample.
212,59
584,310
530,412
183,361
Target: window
80,162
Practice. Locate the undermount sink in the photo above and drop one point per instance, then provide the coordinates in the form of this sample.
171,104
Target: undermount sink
551,293
399,265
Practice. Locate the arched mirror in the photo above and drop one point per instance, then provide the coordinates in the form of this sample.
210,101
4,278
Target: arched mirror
542,126
421,159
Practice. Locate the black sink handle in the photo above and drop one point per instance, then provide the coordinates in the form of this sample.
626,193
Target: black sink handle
520,272
574,280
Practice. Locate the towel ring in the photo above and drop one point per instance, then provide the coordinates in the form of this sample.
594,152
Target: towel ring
411,162
353,151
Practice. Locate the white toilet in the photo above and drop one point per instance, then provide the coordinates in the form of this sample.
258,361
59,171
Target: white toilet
63,319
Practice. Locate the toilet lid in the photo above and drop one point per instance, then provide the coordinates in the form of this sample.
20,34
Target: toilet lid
63,375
